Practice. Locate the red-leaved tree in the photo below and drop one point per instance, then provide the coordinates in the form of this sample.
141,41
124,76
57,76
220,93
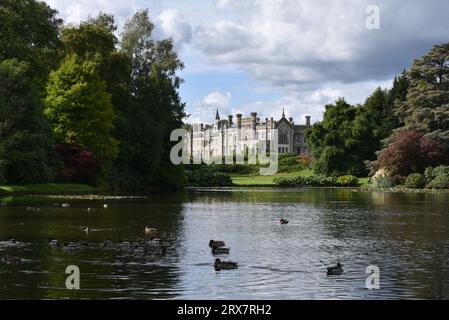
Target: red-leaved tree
80,165
411,152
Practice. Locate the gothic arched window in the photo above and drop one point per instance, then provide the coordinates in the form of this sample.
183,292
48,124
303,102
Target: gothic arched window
283,136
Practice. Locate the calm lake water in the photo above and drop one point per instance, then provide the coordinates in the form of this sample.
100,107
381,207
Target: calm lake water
405,235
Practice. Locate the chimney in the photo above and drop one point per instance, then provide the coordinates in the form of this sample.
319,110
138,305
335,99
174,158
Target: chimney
230,120
239,120
201,127
308,121
253,120
272,123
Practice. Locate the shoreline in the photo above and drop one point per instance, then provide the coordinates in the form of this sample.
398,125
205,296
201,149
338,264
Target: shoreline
86,192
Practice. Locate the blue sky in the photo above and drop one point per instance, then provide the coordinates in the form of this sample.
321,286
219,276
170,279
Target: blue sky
266,55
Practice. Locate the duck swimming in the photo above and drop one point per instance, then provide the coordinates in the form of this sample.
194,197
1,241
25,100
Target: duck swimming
214,243
224,265
220,250
335,270
69,246
11,260
284,221
54,243
149,230
12,240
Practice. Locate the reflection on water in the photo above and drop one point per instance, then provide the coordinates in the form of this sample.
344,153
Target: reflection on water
406,235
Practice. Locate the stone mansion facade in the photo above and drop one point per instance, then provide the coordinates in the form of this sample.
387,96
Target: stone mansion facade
227,136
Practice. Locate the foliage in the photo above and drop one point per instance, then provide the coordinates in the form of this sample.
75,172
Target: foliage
415,181
437,178
80,109
26,145
207,178
343,140
426,109
153,107
305,161
347,181
29,33
80,165
382,182
312,181
410,152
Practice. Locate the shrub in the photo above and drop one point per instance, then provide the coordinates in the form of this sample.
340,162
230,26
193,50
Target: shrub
347,181
415,181
313,181
438,178
382,182
432,173
410,152
80,166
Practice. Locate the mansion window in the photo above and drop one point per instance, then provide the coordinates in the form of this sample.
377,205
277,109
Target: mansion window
283,136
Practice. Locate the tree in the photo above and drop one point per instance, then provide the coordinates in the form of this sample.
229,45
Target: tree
79,107
343,140
155,107
410,152
26,144
29,32
426,109
80,165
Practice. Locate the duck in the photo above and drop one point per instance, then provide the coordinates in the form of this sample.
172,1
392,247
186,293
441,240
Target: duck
65,205
138,248
224,265
149,230
215,243
12,240
335,270
69,246
284,221
105,206
54,243
108,243
220,250
11,260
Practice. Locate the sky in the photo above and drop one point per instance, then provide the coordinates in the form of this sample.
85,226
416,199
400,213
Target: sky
264,56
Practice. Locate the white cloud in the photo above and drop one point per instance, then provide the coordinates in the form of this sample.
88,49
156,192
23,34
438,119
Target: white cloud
205,111
173,24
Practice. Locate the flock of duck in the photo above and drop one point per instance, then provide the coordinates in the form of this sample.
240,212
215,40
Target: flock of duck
218,247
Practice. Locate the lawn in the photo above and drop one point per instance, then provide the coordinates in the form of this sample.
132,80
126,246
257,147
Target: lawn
256,180
48,188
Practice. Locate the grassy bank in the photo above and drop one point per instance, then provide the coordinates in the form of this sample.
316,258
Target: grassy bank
47,189
257,180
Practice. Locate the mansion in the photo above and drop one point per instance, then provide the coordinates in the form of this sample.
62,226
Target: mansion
227,136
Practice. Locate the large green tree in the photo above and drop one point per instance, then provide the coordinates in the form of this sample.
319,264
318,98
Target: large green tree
80,110
26,145
29,32
154,109
347,136
426,109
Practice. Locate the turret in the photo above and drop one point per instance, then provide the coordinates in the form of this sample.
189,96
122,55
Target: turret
308,121
239,120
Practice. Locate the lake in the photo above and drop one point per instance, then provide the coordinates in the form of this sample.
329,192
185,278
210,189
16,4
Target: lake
405,234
